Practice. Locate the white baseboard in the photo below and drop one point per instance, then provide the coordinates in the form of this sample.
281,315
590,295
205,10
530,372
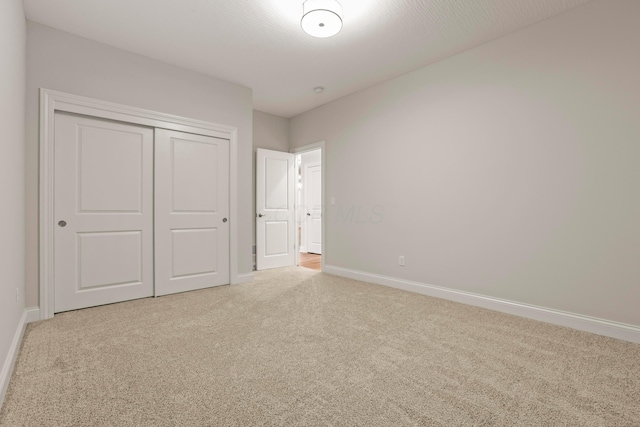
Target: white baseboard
33,314
576,321
243,278
10,361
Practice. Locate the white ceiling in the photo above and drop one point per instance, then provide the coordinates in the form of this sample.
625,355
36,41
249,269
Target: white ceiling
259,43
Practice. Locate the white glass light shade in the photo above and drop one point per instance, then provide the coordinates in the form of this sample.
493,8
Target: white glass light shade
321,18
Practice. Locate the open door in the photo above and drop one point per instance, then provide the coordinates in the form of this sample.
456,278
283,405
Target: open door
275,216
312,221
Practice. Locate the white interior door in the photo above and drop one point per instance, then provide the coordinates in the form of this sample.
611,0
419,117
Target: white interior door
275,218
191,211
312,185
103,209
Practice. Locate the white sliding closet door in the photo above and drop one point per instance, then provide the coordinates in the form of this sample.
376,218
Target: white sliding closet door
103,210
191,211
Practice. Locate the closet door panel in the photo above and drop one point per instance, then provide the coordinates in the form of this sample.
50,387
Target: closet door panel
191,211
103,205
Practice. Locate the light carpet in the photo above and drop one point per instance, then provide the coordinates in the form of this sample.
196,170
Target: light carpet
299,347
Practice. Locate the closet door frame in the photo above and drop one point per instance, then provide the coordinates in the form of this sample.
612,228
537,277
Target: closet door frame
52,101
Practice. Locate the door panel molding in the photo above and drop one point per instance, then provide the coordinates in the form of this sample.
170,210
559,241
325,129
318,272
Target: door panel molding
52,101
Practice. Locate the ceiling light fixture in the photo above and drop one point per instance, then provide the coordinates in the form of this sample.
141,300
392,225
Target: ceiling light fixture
318,89
321,18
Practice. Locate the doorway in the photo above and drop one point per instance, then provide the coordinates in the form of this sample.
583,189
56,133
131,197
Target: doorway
287,225
309,202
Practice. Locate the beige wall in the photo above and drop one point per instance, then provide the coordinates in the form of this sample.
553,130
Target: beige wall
60,61
270,132
12,87
510,170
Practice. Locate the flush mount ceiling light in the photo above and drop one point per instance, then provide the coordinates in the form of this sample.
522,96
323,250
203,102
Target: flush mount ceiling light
321,18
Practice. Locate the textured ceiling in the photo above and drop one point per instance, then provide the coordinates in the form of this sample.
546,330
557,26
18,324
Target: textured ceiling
259,43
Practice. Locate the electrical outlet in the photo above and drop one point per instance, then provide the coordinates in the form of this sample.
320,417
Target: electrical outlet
401,260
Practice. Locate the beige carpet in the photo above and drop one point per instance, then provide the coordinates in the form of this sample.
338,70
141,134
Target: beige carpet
298,347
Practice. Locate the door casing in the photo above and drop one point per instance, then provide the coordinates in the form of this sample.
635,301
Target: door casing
52,101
